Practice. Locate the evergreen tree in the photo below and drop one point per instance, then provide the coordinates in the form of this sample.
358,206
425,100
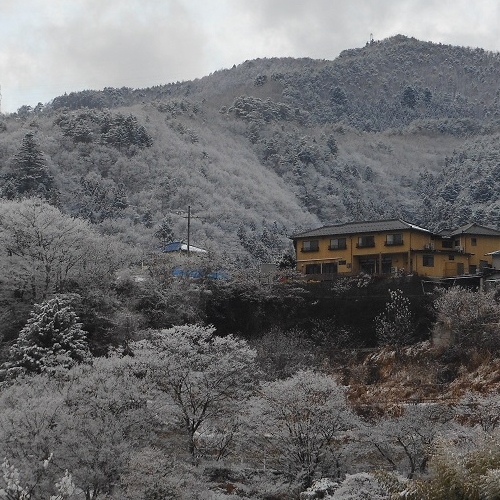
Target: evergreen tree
52,337
164,232
30,175
287,261
123,132
147,219
409,98
332,145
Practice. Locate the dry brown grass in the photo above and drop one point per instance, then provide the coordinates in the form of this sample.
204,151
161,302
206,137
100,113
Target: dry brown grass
387,377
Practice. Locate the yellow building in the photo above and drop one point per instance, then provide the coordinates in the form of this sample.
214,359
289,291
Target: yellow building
393,246
474,241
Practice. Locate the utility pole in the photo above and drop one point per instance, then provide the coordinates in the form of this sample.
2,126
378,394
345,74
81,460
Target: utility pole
189,217
189,227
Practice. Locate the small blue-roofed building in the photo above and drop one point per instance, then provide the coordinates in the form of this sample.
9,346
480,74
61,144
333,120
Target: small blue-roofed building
180,247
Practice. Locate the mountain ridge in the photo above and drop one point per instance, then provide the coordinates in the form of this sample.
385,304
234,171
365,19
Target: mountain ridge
398,128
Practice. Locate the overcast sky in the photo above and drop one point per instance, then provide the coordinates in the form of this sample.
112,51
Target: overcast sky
48,47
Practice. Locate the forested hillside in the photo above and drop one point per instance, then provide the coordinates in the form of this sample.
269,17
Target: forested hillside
128,373
397,128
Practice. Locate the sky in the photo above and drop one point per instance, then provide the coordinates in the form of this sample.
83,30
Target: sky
49,47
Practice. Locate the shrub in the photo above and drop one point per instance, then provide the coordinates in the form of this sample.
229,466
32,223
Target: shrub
52,338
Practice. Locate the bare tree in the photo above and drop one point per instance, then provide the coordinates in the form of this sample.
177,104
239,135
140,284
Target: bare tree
205,377
301,424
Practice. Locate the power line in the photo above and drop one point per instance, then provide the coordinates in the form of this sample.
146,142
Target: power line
189,216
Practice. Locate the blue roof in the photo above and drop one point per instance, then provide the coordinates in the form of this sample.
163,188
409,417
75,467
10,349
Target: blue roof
175,246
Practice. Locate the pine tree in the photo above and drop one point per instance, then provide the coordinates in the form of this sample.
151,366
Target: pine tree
30,175
164,232
409,98
52,338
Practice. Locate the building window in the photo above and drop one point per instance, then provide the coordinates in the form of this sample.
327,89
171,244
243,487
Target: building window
451,257
329,268
394,239
310,246
338,244
447,244
473,241
428,260
366,241
313,269
341,262
368,265
387,265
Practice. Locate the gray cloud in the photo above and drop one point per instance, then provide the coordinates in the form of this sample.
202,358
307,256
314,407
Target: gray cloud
133,46
48,48
322,29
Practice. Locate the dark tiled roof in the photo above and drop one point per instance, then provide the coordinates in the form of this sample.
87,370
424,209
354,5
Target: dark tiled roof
359,227
472,228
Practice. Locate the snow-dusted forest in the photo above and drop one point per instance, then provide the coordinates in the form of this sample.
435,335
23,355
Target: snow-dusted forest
125,375
185,413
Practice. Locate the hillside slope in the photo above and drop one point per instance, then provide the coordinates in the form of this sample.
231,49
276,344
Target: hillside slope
397,128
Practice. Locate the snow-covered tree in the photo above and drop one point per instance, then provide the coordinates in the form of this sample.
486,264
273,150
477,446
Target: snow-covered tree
468,317
480,409
320,488
106,418
395,326
29,174
44,251
205,377
302,424
406,441
360,486
30,411
153,474
88,421
467,471
14,489
164,231
53,338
